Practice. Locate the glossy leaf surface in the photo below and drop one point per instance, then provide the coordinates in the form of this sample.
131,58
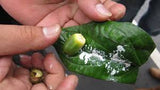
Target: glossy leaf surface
113,50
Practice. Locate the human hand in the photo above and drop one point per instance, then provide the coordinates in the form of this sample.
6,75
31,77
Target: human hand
16,39
63,12
17,78
156,74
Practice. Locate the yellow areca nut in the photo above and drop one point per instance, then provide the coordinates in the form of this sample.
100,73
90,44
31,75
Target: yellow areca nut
74,43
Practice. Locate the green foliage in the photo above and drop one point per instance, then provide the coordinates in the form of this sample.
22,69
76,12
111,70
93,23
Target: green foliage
113,50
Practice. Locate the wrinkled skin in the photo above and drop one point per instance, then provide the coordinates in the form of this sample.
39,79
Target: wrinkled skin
46,13
17,78
63,12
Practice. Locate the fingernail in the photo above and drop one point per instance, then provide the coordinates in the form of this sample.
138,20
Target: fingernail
50,87
66,75
51,31
24,57
51,66
102,10
38,54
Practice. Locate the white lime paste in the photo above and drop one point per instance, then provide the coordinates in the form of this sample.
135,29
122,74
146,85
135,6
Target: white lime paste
114,56
87,56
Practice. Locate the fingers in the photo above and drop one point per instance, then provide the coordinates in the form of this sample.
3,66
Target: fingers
71,23
37,61
69,83
52,65
81,18
18,39
5,64
55,78
117,10
26,61
34,61
95,10
12,69
23,75
155,72
39,86
55,70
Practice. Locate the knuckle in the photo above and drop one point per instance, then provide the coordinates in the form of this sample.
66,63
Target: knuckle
27,33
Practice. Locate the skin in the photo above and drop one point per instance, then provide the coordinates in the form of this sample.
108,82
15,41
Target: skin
42,13
17,78
155,73
63,12
37,15
45,13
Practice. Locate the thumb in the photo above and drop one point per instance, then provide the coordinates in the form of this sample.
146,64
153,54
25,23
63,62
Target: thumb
18,39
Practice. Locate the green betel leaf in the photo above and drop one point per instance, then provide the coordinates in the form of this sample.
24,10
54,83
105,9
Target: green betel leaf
113,51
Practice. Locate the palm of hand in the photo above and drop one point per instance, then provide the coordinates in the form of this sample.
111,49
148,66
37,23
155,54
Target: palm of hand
63,12
17,78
